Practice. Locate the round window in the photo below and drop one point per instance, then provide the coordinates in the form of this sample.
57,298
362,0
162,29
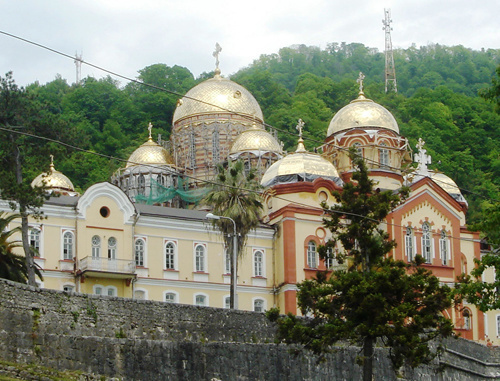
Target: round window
104,211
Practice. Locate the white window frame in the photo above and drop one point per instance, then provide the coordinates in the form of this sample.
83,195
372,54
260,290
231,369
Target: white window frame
427,242
36,240
330,261
201,294
144,291
312,256
140,253
170,292
384,157
227,262
64,244
444,248
69,285
112,247
409,244
257,299
113,289
173,255
226,301
259,268
200,267
104,290
96,246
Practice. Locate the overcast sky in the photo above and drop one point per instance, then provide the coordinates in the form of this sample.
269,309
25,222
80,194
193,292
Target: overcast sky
125,36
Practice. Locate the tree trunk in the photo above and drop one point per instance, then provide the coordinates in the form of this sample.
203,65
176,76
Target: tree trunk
368,359
28,252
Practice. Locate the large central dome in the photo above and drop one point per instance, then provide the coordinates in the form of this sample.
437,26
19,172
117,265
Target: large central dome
362,112
218,95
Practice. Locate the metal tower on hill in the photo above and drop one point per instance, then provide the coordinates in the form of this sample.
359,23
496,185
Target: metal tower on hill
78,64
390,71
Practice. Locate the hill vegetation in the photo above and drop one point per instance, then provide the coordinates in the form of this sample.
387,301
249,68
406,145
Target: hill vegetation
437,100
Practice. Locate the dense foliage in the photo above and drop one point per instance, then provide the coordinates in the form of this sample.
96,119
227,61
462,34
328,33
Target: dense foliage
437,100
375,297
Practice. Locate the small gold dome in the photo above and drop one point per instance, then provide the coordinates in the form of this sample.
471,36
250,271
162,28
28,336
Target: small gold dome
149,153
218,91
445,182
256,139
362,112
300,165
53,180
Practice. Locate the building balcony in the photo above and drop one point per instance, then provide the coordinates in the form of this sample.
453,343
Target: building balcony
106,268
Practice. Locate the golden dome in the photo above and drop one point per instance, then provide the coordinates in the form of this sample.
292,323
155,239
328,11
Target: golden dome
218,91
53,180
300,165
149,153
256,139
362,112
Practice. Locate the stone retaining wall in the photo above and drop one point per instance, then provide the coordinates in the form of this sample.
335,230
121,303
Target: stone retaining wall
147,340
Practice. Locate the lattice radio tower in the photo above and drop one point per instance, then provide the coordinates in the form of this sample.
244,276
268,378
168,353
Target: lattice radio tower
390,71
78,64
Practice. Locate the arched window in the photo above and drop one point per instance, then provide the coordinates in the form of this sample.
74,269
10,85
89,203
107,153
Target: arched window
201,300
383,155
312,257
426,242
35,241
140,294
111,248
443,247
170,297
359,150
409,246
96,246
227,261
139,252
200,258
170,256
331,260
215,147
141,184
467,319
160,180
258,263
258,305
68,245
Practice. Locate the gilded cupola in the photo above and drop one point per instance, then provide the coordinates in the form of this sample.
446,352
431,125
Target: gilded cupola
256,139
149,153
54,181
300,165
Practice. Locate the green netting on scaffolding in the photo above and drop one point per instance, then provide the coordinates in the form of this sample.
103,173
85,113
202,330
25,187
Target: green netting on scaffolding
159,194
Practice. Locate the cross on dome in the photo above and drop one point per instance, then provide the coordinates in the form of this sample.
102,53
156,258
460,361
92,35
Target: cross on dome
360,79
300,127
216,53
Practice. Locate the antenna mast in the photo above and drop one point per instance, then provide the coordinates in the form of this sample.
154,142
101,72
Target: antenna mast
390,71
78,64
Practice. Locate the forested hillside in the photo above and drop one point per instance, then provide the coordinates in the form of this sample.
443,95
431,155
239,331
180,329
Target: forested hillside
437,100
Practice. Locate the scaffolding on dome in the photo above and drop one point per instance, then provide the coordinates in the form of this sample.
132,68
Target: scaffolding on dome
159,194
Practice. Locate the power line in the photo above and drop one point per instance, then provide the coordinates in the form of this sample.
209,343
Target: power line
213,105
259,192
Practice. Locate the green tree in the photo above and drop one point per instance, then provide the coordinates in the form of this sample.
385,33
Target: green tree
376,297
19,112
12,266
235,195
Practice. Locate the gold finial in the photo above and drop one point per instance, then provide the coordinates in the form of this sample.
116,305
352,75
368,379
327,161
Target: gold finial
300,145
216,53
52,163
360,79
150,129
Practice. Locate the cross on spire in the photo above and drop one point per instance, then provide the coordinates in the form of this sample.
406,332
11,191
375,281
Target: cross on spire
422,158
216,53
360,79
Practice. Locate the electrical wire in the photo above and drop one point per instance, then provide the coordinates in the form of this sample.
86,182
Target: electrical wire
259,192
214,105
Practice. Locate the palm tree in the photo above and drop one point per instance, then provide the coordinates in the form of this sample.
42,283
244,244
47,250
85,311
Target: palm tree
235,195
12,266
